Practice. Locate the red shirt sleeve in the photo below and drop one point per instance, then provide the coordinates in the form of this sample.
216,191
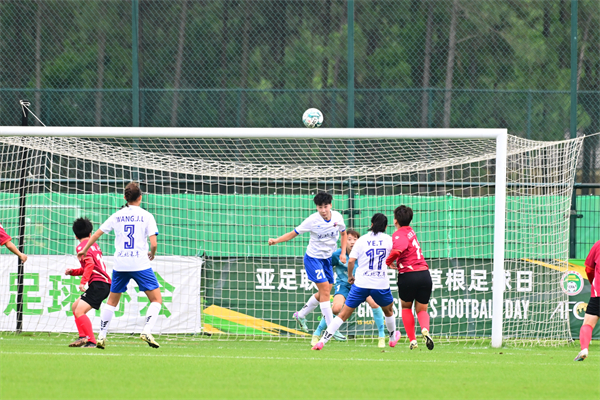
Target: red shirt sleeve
4,237
590,261
88,268
394,254
77,272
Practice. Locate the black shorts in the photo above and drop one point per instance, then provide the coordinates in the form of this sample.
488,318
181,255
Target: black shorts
96,293
593,307
415,286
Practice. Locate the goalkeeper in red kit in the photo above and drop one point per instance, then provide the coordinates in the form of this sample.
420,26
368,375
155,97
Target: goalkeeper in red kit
94,275
592,313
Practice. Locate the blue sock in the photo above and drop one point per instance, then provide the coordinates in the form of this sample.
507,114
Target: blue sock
321,327
378,317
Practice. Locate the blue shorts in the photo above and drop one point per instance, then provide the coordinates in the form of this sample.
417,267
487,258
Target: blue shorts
357,296
342,288
318,269
145,279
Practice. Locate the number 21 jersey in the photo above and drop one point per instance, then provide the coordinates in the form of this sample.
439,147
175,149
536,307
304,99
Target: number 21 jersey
132,225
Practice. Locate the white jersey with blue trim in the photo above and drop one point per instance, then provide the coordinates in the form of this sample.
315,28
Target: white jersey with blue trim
371,251
323,234
132,225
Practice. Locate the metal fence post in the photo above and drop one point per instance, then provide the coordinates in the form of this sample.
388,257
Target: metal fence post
350,63
135,72
573,127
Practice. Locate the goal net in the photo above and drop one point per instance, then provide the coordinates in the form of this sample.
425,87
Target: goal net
218,200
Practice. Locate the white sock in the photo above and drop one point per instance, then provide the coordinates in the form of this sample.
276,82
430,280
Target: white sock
326,310
310,305
390,323
105,318
331,329
151,316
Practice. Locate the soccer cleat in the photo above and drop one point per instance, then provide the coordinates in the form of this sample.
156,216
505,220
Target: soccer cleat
101,343
318,346
413,344
148,338
301,321
381,343
89,344
314,340
82,341
582,355
339,337
394,337
428,339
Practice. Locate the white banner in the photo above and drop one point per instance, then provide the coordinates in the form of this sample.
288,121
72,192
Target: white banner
48,295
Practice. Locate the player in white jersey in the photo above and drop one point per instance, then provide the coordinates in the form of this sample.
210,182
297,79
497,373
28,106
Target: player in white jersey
371,251
133,227
325,227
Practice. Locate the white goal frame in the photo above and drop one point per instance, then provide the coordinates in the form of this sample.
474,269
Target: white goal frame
500,135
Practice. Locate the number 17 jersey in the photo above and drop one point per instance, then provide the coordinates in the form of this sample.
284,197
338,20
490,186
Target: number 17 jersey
370,252
132,225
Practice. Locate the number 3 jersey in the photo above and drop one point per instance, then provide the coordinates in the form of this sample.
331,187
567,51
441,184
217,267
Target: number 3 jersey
370,252
92,267
407,251
132,225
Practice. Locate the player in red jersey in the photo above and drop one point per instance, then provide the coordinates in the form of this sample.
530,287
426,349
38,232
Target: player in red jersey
414,280
592,313
95,276
6,240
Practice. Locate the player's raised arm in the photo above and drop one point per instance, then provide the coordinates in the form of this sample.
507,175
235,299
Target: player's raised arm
283,238
89,244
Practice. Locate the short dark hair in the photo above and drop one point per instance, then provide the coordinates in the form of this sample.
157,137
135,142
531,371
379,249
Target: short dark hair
82,228
379,223
403,215
132,192
353,233
323,198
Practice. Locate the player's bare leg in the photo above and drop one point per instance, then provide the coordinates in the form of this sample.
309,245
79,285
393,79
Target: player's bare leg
423,317
585,335
151,316
108,311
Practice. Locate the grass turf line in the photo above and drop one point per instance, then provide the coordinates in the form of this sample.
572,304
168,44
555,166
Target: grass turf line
44,367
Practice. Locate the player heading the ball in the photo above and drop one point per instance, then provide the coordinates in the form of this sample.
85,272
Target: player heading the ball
325,227
592,312
133,227
93,273
414,280
370,250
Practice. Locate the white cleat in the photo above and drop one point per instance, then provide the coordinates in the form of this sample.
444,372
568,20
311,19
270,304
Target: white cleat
582,355
428,340
381,343
413,344
314,340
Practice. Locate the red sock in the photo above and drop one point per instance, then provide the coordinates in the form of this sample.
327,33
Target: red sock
408,320
86,327
80,327
423,318
585,336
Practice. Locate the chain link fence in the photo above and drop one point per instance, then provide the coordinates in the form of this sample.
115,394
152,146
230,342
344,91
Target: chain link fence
364,63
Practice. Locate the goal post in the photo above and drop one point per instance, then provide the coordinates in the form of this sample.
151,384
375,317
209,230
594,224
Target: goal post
489,212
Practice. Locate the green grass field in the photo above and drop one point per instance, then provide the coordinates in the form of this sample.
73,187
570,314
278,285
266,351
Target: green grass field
42,366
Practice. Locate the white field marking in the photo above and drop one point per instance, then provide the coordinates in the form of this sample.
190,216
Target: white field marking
395,360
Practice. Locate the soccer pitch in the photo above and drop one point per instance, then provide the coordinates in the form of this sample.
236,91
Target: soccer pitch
42,366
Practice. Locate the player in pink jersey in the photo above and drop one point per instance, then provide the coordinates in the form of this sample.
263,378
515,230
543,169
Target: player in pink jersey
6,240
592,313
93,272
414,280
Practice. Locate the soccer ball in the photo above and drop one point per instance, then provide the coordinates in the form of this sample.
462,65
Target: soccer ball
312,118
